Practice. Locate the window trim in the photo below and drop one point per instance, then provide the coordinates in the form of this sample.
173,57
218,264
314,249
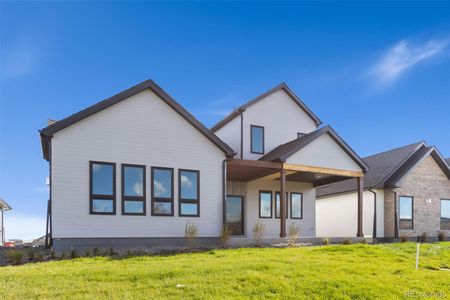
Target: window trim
440,217
286,201
132,198
93,196
412,213
251,139
271,204
301,205
159,199
188,201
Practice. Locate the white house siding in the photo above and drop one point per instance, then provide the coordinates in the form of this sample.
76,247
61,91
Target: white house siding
282,120
324,152
2,233
337,215
231,135
139,130
250,191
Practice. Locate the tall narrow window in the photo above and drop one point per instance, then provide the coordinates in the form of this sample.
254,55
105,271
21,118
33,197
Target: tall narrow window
189,193
296,205
102,188
277,205
133,189
265,204
162,191
257,139
406,212
445,214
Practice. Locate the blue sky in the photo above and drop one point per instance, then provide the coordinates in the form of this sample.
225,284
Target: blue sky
379,73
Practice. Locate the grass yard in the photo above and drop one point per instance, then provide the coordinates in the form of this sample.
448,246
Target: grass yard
339,272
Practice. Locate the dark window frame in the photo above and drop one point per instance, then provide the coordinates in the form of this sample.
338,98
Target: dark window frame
188,201
242,214
93,196
271,204
440,218
286,201
412,212
133,198
263,139
301,205
160,199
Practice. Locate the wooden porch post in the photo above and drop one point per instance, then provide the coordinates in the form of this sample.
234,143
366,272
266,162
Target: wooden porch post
360,206
283,203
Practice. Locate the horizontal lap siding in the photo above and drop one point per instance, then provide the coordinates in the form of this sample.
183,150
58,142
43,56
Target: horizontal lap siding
140,130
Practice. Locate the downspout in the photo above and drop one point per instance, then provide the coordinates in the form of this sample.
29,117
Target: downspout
374,212
224,190
48,232
242,135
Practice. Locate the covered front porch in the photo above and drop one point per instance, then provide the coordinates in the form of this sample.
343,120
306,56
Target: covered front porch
279,189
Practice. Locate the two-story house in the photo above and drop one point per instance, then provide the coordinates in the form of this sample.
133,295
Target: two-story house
131,170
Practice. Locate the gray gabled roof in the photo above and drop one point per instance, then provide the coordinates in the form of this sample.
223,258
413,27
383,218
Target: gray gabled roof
4,205
282,86
388,168
47,132
284,151
448,161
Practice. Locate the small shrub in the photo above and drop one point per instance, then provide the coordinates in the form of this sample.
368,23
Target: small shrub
73,253
110,252
258,231
363,242
39,257
30,255
87,253
14,256
52,254
347,242
191,233
326,241
95,251
129,253
293,233
441,236
403,239
423,237
225,235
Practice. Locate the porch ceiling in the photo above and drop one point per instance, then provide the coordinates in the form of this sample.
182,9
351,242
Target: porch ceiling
248,170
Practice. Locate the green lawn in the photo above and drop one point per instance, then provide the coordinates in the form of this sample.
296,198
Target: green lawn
341,272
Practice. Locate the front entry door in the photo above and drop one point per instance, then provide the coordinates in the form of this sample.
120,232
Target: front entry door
235,214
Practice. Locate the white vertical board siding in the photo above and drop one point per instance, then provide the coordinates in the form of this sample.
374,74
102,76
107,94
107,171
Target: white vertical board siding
324,152
281,118
140,130
337,216
272,226
231,135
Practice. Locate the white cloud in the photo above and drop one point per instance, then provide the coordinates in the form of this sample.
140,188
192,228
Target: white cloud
159,188
23,226
185,181
41,189
214,112
138,188
401,58
19,58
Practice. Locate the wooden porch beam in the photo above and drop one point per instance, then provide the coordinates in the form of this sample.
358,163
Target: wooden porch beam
321,170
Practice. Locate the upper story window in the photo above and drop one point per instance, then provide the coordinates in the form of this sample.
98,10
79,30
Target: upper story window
277,205
296,205
265,204
406,212
189,193
445,214
133,189
257,139
162,191
102,188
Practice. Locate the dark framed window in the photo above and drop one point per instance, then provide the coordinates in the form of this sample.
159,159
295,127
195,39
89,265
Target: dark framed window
102,188
445,214
133,189
162,191
296,205
277,204
188,193
265,204
406,212
234,214
256,139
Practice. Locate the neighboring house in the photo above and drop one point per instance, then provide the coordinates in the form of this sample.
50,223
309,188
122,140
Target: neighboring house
3,207
133,169
410,188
